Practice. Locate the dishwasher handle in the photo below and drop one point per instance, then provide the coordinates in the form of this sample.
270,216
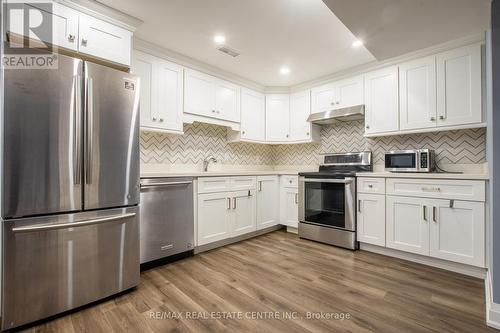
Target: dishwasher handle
187,182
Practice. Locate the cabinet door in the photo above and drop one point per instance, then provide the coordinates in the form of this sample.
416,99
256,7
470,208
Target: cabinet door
417,92
323,98
459,86
104,40
170,85
277,117
371,219
300,109
289,207
199,94
143,65
214,218
227,101
253,115
64,24
243,212
267,201
349,92
407,224
382,101
457,233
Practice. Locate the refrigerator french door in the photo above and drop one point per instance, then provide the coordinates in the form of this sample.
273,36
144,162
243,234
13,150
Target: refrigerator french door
70,229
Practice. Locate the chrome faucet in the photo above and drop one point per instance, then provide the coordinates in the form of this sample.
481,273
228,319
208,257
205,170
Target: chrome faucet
207,161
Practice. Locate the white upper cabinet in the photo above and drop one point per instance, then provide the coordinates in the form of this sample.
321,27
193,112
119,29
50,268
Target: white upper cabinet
227,100
104,40
77,32
323,98
300,109
199,93
340,94
382,101
277,117
459,86
205,95
161,93
253,115
349,92
417,93
64,24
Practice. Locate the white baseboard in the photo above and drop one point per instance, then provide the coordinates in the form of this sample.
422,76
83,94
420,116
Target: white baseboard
492,308
477,272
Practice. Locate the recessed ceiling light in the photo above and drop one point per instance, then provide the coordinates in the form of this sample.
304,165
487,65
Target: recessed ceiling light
357,43
219,39
284,70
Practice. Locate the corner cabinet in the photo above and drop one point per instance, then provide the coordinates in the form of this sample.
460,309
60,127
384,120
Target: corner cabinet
253,118
277,117
161,93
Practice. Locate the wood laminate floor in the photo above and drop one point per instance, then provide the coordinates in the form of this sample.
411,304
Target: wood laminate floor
278,275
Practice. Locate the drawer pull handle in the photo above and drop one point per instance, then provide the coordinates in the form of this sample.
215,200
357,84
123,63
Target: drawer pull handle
425,213
228,203
452,203
434,214
370,186
234,203
431,189
359,206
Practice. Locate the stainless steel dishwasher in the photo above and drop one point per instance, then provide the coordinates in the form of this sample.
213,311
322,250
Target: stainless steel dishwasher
166,218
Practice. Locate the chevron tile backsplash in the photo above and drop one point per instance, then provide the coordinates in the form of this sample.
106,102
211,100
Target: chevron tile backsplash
200,140
452,147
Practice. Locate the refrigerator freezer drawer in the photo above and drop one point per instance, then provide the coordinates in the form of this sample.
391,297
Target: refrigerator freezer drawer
57,263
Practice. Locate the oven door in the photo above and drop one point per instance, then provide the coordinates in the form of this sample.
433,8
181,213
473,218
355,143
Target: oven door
401,161
328,202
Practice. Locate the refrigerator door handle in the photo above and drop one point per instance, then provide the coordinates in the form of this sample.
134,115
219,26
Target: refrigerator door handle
77,114
90,125
55,226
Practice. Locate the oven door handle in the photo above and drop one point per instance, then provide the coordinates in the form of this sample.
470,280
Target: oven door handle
316,180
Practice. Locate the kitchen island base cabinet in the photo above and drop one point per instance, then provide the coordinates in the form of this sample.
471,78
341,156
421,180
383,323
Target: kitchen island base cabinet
267,201
371,219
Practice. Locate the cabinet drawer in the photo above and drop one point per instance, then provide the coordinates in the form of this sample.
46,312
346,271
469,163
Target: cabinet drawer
213,184
371,185
290,181
437,188
242,183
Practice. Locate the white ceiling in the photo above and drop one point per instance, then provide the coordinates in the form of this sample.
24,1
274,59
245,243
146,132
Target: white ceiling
391,28
301,34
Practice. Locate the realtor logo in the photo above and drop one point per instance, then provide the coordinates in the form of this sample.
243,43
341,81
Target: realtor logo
29,32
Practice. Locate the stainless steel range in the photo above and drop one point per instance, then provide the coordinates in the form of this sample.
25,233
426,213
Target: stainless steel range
327,199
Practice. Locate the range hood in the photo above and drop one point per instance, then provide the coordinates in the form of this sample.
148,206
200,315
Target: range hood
356,112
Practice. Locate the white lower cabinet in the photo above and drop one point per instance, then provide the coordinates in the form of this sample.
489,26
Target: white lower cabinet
242,213
445,229
267,201
457,233
226,208
371,219
289,201
214,220
408,224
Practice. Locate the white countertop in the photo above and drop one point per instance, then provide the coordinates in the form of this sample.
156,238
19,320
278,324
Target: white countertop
217,173
432,175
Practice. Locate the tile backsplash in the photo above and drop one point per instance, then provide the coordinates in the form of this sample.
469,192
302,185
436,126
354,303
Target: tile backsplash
201,140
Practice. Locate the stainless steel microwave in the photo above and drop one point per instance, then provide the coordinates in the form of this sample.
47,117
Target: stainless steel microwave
417,160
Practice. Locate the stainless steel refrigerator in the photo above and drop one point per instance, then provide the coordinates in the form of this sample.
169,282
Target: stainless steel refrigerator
70,231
